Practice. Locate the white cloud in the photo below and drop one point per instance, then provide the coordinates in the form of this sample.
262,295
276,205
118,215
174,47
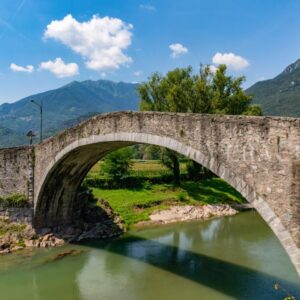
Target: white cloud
213,68
59,68
100,41
137,73
16,68
148,7
234,62
177,50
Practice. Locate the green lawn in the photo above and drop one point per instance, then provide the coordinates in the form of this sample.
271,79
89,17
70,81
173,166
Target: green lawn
135,205
142,168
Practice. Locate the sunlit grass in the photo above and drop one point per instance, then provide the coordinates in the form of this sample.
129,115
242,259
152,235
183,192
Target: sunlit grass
135,205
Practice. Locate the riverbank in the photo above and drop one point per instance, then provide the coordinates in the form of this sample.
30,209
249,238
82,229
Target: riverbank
123,208
137,204
15,237
187,213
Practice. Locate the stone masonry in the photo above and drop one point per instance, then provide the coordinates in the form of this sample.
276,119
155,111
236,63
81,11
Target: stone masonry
258,156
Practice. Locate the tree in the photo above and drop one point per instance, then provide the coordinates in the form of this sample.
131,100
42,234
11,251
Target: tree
117,164
206,92
171,160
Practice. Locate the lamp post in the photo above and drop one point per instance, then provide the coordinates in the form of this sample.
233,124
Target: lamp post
40,105
30,135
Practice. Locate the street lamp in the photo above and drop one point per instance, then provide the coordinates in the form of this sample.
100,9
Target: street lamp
40,105
30,135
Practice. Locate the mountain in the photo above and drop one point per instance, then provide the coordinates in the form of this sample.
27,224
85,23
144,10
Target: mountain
279,96
10,138
64,107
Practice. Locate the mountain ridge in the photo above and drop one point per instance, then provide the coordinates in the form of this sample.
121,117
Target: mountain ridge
69,102
279,96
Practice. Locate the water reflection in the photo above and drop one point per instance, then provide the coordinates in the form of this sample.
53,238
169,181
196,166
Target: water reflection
229,258
211,257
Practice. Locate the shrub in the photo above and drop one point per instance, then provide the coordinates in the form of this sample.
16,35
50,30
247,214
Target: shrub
117,164
147,185
182,196
14,200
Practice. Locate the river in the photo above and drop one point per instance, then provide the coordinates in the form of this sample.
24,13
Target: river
228,258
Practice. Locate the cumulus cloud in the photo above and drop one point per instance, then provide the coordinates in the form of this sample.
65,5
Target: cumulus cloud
17,68
234,62
59,68
177,50
137,73
148,7
100,41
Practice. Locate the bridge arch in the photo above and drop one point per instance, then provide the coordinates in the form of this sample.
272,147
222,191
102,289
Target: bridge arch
254,168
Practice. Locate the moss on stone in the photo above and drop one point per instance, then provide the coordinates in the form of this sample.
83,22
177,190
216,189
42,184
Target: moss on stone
14,200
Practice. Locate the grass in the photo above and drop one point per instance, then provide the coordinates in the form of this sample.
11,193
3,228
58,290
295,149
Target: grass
142,168
135,205
7,226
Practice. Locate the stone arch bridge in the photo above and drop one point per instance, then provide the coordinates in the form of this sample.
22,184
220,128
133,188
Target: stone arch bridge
258,156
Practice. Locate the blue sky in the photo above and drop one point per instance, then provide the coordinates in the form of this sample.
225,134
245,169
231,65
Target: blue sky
46,44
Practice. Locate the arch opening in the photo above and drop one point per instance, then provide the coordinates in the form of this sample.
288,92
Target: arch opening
63,176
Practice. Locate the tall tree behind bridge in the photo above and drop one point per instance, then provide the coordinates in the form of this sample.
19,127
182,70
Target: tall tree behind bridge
180,90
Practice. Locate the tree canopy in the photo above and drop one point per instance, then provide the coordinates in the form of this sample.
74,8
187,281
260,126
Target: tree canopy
180,90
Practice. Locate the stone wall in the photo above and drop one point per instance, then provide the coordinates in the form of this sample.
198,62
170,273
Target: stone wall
16,214
17,171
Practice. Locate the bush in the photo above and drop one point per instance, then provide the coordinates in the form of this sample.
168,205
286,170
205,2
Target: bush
197,172
117,164
14,200
129,182
182,196
147,185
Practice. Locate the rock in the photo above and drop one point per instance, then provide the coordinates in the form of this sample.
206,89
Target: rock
4,245
188,212
5,251
47,237
29,232
30,243
44,231
16,248
45,244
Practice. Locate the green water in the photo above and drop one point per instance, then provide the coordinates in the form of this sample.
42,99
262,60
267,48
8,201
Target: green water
229,258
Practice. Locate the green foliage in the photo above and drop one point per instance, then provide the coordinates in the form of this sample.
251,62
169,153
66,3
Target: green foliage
182,196
140,173
152,152
171,160
147,185
197,172
253,110
206,92
14,200
193,170
117,164
8,227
